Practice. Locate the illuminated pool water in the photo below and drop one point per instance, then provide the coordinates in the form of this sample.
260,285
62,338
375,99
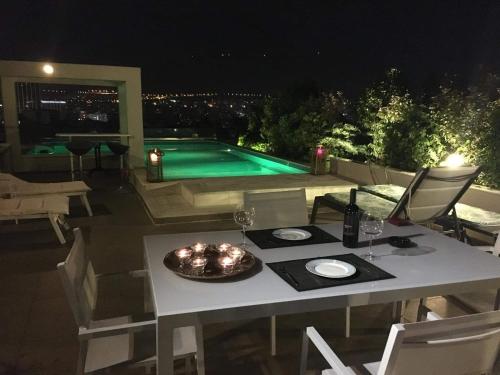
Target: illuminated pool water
199,159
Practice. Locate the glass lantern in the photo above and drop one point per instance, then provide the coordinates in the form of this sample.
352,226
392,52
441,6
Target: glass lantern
154,170
320,160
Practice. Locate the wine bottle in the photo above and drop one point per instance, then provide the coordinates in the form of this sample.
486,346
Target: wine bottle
351,222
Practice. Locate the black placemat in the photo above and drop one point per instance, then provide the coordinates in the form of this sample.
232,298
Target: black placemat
264,238
295,274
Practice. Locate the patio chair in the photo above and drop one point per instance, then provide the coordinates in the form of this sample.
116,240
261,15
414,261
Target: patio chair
15,187
51,207
119,341
279,209
432,194
455,346
484,300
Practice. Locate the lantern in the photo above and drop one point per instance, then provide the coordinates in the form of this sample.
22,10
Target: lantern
154,171
320,160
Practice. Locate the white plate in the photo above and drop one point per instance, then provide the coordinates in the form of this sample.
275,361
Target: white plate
332,268
292,234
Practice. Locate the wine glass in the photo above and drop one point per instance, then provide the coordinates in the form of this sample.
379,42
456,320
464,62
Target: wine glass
244,217
372,227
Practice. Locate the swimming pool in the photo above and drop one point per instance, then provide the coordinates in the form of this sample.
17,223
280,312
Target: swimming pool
199,159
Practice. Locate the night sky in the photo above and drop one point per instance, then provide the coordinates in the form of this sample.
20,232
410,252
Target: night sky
259,45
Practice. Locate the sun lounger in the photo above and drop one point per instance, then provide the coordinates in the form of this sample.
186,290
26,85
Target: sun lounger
11,186
52,207
433,194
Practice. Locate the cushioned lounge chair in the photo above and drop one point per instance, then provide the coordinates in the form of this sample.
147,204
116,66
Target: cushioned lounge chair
432,194
12,186
52,207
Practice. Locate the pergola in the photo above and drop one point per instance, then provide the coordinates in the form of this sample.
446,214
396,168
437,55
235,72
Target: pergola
126,79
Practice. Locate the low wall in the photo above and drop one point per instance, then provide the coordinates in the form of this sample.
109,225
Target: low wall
369,174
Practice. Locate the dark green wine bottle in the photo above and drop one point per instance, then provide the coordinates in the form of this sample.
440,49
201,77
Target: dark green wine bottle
351,222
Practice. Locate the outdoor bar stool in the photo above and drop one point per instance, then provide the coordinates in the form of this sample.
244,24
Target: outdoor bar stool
120,150
78,148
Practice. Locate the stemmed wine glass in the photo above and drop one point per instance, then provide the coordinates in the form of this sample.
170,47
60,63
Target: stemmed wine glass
372,227
244,217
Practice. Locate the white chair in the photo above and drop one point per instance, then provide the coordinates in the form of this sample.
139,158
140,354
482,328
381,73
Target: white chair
484,300
277,209
115,342
455,346
495,251
15,187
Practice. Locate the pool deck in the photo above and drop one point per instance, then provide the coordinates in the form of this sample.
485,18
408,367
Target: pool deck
215,198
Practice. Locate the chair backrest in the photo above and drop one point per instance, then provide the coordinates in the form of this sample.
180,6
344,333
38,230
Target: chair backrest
278,209
79,281
433,192
464,345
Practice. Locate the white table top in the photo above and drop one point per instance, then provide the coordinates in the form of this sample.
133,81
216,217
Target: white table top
453,267
93,135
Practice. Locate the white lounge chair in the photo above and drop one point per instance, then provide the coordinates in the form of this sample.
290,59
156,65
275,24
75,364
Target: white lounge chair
455,346
52,207
123,341
12,186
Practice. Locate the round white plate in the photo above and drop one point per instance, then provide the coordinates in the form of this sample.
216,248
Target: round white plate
332,268
292,234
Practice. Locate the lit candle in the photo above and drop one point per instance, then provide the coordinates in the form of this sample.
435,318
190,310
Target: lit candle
223,247
198,264
227,264
199,247
183,254
236,254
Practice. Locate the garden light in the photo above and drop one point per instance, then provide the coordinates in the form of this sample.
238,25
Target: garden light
453,160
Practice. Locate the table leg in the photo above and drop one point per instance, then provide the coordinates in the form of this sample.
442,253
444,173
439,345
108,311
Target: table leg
164,347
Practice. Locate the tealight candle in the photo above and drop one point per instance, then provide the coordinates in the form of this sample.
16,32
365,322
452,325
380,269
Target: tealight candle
223,247
198,264
199,247
227,264
183,254
236,254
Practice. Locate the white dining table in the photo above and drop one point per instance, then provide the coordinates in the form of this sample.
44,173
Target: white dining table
454,267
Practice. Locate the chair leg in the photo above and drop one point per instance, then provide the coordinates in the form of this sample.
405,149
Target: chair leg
398,309
314,212
81,167
273,334
72,164
422,309
188,366
200,350
53,221
304,352
348,322
497,300
85,202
